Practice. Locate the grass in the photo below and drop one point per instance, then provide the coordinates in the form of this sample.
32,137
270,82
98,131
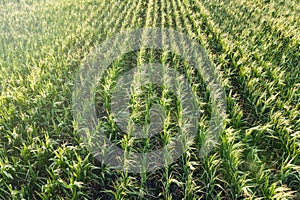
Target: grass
254,45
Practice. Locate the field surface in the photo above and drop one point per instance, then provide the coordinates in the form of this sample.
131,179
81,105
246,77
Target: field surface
255,47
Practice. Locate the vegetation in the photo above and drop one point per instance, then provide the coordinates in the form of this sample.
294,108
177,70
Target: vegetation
254,44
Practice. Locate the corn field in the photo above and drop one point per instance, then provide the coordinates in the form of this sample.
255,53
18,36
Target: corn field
255,48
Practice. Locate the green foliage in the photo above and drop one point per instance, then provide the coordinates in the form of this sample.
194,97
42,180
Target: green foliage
254,44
